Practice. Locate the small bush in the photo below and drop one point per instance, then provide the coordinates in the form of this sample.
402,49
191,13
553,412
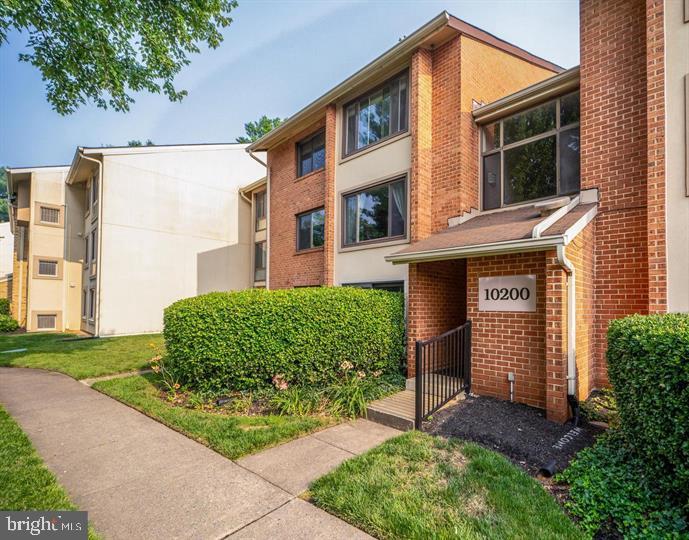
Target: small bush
8,324
648,365
612,493
4,306
247,340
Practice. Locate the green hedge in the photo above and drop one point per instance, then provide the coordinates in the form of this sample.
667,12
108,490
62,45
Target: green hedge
7,324
241,340
648,365
4,306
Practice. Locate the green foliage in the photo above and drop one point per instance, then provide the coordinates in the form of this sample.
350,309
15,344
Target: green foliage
648,365
298,337
4,205
256,130
137,143
297,401
8,324
104,51
612,491
4,306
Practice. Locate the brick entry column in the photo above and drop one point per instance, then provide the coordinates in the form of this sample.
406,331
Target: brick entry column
556,339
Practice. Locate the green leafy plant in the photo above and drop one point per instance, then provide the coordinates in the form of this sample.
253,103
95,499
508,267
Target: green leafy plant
166,378
4,306
8,324
243,340
613,493
296,401
648,366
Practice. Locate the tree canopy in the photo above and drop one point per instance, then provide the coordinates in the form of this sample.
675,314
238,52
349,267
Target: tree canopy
103,50
137,142
256,130
4,207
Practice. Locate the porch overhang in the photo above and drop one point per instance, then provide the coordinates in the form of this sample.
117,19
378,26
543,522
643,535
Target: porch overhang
514,231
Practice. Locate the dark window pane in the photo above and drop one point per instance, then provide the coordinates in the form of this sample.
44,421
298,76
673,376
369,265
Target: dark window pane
530,171
318,151
375,118
351,128
304,238
373,214
318,226
393,286
260,261
491,181
351,219
569,109
362,128
398,208
569,161
403,103
529,123
491,137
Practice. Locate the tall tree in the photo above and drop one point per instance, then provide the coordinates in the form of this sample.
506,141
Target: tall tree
256,130
4,206
102,50
137,142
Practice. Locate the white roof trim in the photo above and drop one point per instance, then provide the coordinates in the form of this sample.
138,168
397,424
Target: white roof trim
38,168
119,150
542,226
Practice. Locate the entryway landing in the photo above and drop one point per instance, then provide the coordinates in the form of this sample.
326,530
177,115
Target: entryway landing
399,410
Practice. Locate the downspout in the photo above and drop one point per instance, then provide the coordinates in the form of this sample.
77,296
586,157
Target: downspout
267,218
571,332
99,260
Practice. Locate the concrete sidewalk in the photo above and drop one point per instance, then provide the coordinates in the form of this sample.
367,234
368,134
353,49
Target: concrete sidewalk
140,479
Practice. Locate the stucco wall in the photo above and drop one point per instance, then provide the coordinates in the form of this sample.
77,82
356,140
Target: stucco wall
676,70
6,249
160,213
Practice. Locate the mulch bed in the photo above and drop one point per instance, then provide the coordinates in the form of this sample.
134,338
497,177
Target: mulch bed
520,432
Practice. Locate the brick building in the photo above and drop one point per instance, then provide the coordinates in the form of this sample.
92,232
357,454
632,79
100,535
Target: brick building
491,185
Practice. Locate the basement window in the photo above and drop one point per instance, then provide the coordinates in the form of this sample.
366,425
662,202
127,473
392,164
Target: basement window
46,322
391,286
531,155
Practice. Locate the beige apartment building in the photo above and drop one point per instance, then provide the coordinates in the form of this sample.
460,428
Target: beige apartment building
44,293
129,231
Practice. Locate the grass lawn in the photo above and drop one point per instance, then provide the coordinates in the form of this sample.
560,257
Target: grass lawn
26,483
231,436
418,486
79,359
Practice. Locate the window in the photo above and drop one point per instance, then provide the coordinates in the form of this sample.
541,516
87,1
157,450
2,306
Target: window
47,268
94,245
260,261
93,195
532,155
87,252
311,154
376,213
50,215
46,322
377,115
92,303
392,286
310,229
84,300
260,210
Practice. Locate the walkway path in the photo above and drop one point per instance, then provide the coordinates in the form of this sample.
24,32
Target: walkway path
140,479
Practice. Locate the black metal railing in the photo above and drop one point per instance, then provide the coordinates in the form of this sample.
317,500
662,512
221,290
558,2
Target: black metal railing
443,370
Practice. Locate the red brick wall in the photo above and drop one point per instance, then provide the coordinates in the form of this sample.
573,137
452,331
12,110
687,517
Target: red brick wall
330,233
555,338
614,157
504,342
655,110
436,298
290,196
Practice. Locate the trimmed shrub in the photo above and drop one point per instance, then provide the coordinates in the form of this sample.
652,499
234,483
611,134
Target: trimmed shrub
648,365
4,306
7,323
612,494
242,340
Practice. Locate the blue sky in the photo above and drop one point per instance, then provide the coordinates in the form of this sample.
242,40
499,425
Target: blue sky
278,55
